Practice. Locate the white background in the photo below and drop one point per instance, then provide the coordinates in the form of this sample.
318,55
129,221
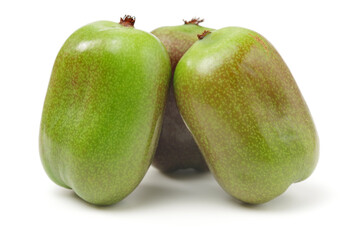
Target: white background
319,40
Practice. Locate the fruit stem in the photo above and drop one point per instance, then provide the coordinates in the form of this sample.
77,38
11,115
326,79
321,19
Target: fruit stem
201,36
195,21
127,21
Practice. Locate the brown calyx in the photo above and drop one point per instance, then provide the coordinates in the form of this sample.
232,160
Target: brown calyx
195,21
127,21
201,36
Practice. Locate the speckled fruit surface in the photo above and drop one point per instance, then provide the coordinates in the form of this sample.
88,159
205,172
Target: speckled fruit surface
246,113
103,110
177,148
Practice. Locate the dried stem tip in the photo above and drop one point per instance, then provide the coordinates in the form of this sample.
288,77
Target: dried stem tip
201,36
127,21
195,21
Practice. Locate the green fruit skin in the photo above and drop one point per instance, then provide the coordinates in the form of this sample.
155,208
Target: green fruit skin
177,149
103,110
178,39
241,103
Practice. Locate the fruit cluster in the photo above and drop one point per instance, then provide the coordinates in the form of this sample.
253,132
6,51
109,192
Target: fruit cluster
182,97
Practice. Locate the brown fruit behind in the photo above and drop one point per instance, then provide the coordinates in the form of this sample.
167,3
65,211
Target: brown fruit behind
177,148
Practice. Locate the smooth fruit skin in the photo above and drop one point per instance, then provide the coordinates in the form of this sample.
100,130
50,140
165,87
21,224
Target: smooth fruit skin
103,110
178,39
246,113
177,149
